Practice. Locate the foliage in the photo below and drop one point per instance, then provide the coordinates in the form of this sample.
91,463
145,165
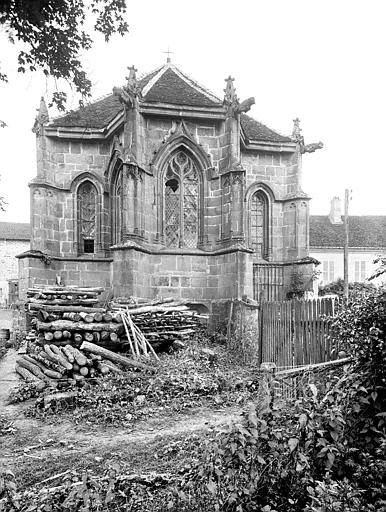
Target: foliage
337,288
183,380
6,426
381,261
53,35
296,286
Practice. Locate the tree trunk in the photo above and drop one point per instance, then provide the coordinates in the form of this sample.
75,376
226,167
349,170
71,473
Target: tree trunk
67,325
115,358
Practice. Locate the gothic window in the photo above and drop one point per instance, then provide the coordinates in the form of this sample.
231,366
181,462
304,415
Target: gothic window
87,217
259,225
181,202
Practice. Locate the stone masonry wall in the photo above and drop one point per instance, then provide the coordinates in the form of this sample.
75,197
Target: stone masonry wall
53,205
8,264
199,277
33,271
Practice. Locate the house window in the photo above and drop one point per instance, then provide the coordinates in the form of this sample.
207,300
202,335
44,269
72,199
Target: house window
328,271
181,206
259,224
360,271
87,217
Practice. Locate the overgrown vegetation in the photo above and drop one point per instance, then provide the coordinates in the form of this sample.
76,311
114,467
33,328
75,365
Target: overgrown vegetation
188,379
325,453
337,288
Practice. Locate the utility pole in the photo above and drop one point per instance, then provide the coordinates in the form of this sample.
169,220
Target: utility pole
345,247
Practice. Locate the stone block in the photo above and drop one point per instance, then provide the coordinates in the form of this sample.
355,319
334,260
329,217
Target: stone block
76,147
174,281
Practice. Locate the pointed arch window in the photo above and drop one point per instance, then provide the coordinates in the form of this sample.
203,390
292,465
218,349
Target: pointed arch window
87,217
181,202
259,224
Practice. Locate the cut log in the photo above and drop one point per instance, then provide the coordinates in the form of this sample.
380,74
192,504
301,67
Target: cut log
87,317
113,336
66,309
78,338
47,362
115,358
67,353
66,335
112,366
59,397
50,373
107,317
48,336
61,302
80,358
105,335
98,317
88,336
97,337
26,374
78,326
58,335
61,358
83,371
31,367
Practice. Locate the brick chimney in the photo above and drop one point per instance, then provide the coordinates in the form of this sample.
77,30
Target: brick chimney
335,212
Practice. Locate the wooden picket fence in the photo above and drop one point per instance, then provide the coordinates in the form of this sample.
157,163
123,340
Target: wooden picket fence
296,332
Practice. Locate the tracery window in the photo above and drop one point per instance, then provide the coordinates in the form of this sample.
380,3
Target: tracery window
181,205
87,217
259,224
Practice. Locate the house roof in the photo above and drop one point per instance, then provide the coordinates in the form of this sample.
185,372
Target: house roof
367,231
15,231
166,84
257,131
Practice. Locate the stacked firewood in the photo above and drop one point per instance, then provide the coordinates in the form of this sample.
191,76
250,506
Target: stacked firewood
161,322
69,315
51,364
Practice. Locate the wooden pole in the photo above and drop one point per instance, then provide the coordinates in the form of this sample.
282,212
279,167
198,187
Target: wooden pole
346,242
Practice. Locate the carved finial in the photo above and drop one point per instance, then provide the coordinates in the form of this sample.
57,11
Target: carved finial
230,91
42,117
296,132
132,78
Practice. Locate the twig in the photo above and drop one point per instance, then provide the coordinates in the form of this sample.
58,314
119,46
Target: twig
59,475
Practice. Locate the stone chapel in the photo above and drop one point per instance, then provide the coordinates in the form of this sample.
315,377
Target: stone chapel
163,189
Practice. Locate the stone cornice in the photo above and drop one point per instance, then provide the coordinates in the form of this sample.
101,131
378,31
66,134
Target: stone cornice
178,251
78,258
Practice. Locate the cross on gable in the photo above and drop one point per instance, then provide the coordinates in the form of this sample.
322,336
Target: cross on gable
168,57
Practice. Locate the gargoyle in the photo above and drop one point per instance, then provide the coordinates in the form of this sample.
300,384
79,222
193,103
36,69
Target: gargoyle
245,106
124,96
310,148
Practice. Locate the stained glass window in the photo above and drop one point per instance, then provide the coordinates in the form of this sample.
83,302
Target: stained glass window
87,200
117,211
181,202
259,225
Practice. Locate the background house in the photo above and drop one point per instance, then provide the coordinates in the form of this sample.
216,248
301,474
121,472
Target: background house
367,240
14,239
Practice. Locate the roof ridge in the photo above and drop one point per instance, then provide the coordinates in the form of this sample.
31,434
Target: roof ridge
155,79
196,85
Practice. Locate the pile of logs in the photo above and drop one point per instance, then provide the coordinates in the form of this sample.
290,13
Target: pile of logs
52,364
67,363
161,322
69,315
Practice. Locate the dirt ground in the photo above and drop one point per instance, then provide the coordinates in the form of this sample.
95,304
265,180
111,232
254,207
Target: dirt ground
40,449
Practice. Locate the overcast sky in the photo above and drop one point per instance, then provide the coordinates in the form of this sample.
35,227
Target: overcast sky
323,62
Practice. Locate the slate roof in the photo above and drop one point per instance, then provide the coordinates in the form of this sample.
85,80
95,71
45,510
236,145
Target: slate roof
365,231
15,231
167,84
258,131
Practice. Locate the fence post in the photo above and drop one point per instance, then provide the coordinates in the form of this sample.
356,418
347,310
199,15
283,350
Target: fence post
267,397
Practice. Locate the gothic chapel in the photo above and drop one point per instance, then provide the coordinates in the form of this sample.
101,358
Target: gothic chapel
162,189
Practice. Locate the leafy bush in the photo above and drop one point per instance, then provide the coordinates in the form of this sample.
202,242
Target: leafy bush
337,288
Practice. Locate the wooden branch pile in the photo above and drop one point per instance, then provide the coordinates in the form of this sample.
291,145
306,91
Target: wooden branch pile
69,315
66,364
158,324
